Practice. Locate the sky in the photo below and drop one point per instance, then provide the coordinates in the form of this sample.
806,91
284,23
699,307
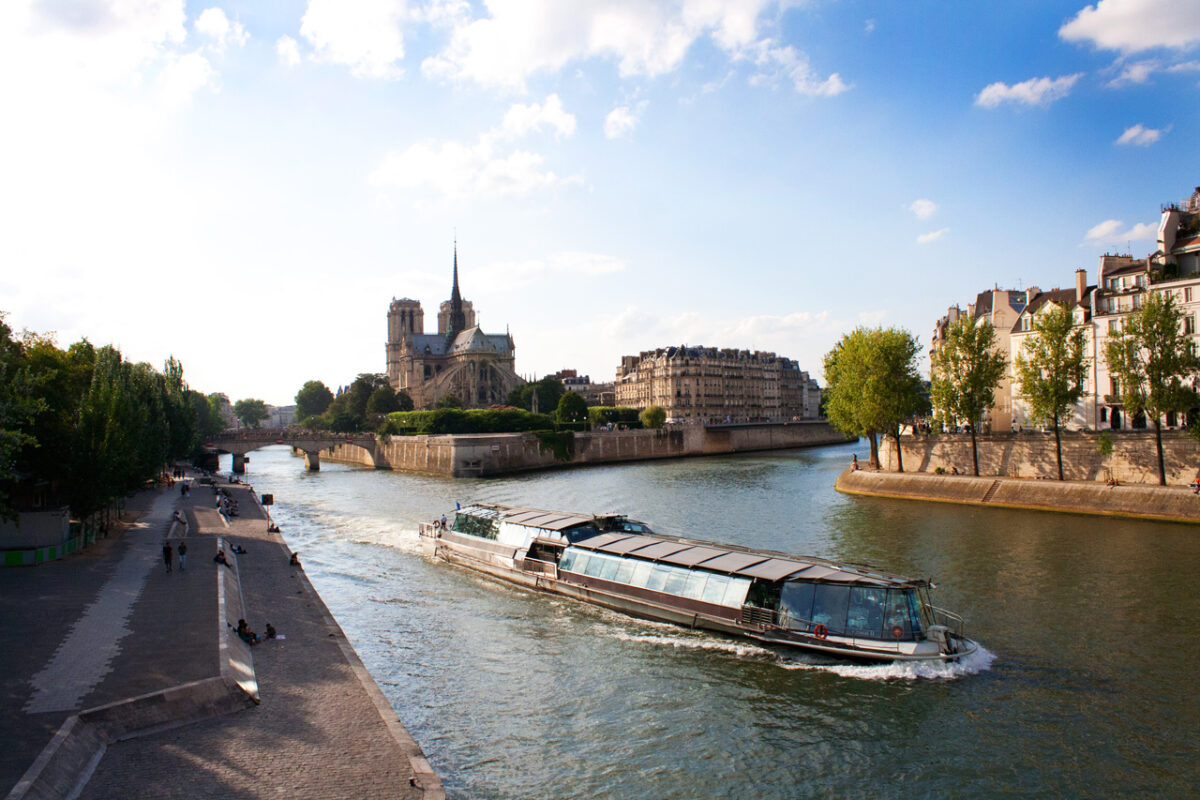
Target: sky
247,185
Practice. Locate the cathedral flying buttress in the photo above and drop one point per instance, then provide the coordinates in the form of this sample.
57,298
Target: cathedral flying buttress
460,359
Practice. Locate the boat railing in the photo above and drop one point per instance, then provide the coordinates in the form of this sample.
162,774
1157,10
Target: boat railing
762,617
429,529
540,566
952,621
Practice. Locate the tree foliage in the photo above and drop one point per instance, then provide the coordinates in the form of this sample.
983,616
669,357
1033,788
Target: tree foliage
313,398
1154,362
456,420
966,369
572,409
549,392
653,417
1050,370
250,412
872,385
448,401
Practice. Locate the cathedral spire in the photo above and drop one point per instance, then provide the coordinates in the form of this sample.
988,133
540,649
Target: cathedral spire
458,320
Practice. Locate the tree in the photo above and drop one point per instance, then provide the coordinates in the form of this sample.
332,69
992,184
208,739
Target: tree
448,401
966,370
571,408
1050,370
872,385
382,401
313,398
549,392
403,401
251,412
653,417
1153,361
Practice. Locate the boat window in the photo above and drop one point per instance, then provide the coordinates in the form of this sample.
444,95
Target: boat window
641,573
568,560
624,571
694,587
795,605
714,590
580,532
865,616
735,593
676,578
608,567
918,603
829,606
658,577
899,616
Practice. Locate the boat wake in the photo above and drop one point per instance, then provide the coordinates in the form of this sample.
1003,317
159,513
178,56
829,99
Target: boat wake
979,661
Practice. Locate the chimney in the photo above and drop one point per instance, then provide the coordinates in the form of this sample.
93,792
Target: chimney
1080,284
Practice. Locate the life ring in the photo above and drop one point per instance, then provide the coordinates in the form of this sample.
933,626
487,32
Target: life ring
820,631
897,631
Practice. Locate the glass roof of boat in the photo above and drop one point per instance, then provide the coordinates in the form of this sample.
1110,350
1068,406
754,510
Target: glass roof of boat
532,517
730,562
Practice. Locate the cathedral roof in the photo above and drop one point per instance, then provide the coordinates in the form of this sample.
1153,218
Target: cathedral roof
472,340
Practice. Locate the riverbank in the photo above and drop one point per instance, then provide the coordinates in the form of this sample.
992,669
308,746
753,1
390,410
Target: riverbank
123,680
1137,501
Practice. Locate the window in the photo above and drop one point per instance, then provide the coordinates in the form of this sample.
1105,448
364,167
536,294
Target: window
658,577
624,571
735,592
900,615
1189,323
1187,294
1114,326
641,573
694,587
676,578
714,590
575,561
864,617
608,568
829,606
795,605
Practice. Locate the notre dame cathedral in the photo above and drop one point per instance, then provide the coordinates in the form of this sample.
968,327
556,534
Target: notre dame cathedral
461,359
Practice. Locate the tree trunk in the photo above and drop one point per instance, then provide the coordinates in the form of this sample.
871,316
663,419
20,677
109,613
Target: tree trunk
899,455
1162,468
874,460
974,452
1058,447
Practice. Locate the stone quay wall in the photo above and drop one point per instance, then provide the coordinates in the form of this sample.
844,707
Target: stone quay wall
1032,455
481,455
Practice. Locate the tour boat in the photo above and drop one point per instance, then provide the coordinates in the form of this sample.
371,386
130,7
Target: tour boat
841,610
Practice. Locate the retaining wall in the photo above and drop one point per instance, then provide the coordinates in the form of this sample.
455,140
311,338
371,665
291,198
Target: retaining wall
1032,455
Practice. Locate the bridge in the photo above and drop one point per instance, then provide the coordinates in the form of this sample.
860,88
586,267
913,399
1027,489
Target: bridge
239,443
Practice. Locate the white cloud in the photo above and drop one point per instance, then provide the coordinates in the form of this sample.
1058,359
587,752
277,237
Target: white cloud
288,51
932,236
365,35
1110,232
457,170
924,209
213,23
519,39
786,63
1131,26
523,119
183,76
869,26
1034,92
1185,66
1135,72
619,122
1141,136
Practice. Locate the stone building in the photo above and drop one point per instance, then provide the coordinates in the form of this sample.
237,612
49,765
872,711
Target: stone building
594,394
460,359
705,384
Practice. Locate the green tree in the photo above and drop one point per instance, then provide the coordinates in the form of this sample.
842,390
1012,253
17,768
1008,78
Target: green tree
382,401
571,409
1050,370
403,401
18,407
251,412
966,370
448,401
549,392
1154,362
313,398
653,417
872,385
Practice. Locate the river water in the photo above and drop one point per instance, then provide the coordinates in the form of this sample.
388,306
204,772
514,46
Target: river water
1086,684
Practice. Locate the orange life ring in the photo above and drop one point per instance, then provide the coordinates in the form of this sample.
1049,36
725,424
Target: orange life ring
820,631
897,631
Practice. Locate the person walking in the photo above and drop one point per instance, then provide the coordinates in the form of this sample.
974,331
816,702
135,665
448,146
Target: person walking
167,554
183,556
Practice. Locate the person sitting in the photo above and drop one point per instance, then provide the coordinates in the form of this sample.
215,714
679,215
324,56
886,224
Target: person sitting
239,550
245,634
220,558
295,559
272,528
270,631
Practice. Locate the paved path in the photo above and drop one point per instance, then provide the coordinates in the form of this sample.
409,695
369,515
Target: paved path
322,729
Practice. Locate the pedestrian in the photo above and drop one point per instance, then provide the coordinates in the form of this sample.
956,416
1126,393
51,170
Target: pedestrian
167,554
183,556
854,461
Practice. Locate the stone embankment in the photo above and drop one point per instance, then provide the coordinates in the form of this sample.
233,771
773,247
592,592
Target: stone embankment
1170,503
479,455
123,679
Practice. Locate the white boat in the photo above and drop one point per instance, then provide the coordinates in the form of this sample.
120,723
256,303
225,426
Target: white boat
841,610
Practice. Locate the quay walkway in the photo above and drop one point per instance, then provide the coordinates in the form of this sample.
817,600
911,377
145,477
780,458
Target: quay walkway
120,679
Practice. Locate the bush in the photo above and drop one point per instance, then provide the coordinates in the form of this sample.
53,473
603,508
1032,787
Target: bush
617,415
653,416
475,420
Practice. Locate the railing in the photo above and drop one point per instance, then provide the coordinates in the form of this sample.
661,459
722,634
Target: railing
952,621
540,567
430,529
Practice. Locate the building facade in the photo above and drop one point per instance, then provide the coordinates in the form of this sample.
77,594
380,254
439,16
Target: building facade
706,384
594,394
459,360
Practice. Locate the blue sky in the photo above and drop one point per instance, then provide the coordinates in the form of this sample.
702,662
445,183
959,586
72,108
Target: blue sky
247,185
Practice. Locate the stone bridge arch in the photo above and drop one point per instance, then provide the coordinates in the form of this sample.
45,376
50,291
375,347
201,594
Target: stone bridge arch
311,443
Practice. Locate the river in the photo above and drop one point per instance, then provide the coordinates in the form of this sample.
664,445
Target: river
1085,684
